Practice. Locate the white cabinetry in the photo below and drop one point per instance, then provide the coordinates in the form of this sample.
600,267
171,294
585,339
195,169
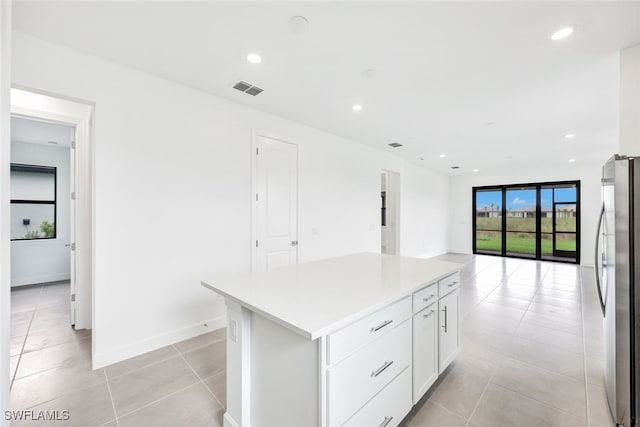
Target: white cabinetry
436,339
352,382
389,407
449,337
348,341
425,350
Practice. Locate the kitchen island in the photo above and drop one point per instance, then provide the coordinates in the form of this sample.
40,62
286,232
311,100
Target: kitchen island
354,340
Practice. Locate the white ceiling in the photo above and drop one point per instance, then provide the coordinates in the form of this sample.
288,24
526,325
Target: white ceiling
39,132
443,70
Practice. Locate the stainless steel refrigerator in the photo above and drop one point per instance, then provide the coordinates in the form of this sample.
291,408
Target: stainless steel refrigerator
617,279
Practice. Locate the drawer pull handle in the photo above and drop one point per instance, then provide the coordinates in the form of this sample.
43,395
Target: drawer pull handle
428,298
428,315
381,369
386,421
452,284
381,325
445,318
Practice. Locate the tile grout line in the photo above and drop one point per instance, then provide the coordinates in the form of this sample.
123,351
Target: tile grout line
532,398
538,401
113,404
584,349
447,409
486,387
201,381
33,315
172,356
511,337
146,405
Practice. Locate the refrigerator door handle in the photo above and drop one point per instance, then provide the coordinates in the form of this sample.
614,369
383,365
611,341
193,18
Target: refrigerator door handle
597,255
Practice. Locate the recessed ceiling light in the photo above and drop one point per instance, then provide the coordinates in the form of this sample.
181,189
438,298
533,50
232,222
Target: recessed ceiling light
572,160
298,24
442,156
570,135
356,107
476,170
254,58
562,33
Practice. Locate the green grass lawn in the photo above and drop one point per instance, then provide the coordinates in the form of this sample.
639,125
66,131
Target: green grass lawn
523,245
526,224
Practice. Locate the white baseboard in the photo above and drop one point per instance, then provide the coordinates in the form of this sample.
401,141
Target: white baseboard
43,278
124,352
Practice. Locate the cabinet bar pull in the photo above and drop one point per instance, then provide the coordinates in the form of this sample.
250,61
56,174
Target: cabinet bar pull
386,421
452,284
445,318
381,369
381,325
428,298
428,315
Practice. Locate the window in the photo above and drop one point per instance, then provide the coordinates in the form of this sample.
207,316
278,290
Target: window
538,221
33,202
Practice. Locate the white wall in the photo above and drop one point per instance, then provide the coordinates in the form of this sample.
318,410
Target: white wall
39,261
460,239
630,101
168,157
5,273
424,212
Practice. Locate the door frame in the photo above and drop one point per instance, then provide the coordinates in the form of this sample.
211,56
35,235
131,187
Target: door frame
556,252
255,134
539,186
33,104
397,186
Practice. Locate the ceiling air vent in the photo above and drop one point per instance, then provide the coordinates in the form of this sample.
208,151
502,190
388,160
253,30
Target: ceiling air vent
395,145
247,88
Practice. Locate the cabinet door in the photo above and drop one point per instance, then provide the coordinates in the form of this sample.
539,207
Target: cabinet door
449,338
425,350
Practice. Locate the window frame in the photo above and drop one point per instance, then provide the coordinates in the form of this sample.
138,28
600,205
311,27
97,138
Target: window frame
539,186
39,169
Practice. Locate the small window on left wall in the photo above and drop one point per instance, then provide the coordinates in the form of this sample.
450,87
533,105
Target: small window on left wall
33,202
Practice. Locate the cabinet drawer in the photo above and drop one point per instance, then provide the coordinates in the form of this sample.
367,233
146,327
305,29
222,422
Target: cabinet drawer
425,297
345,341
449,283
389,407
355,380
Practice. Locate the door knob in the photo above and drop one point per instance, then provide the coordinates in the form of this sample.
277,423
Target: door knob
294,243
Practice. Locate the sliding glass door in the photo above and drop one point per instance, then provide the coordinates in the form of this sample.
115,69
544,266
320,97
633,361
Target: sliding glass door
488,219
561,221
537,221
521,221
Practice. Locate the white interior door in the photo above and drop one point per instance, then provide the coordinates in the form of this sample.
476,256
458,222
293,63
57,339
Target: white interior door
72,227
276,171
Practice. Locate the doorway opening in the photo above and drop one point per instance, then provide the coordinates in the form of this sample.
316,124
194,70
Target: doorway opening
390,212
51,223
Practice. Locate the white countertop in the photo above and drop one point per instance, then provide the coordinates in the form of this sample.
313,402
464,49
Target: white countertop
320,297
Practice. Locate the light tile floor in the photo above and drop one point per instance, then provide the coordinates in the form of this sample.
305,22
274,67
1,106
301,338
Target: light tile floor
531,356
